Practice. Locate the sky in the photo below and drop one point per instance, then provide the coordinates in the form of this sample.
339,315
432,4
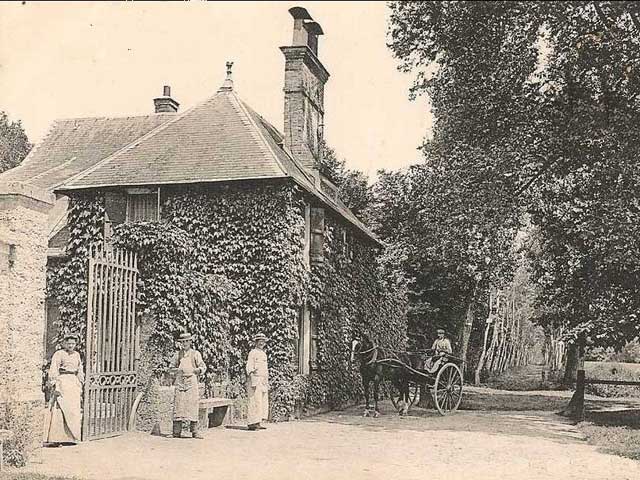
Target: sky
68,60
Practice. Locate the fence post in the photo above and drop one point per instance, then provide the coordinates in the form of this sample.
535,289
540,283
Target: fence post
579,412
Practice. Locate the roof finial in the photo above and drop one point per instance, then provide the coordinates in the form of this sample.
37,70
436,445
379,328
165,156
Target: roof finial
228,82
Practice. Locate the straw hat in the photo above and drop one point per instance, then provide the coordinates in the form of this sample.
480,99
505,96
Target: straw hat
259,336
184,337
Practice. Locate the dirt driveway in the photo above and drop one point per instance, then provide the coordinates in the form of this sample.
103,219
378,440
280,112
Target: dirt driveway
344,445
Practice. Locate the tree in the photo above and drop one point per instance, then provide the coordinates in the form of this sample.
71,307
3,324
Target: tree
455,238
548,94
14,144
585,201
353,185
469,215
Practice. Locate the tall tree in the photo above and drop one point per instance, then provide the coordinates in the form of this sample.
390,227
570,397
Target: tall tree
585,200
14,144
469,212
543,98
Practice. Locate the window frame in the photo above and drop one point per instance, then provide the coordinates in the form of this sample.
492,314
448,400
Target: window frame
306,349
140,191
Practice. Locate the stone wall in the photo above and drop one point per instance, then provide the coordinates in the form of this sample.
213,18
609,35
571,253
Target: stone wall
23,257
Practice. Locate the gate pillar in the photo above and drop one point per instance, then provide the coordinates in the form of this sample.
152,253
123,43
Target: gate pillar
23,260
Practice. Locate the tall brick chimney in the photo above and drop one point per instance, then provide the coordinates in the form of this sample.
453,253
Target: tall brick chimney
304,80
166,104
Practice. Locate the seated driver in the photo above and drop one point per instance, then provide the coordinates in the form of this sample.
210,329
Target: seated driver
441,347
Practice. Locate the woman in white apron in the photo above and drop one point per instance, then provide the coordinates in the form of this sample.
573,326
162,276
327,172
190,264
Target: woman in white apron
66,377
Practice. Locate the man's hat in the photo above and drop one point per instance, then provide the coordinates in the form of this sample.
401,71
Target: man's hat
70,336
259,336
184,337
440,330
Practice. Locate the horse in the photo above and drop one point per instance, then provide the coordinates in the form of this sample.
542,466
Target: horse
372,369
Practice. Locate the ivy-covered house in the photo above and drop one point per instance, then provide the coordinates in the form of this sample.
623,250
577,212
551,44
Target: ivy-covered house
235,228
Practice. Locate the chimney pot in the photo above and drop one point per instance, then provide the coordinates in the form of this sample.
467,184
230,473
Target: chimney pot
165,104
305,77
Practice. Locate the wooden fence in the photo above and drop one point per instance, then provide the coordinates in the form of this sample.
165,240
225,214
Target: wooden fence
575,409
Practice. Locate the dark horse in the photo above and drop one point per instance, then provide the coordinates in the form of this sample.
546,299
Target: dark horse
377,364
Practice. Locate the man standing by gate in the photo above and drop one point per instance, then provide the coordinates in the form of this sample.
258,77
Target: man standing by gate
257,383
188,365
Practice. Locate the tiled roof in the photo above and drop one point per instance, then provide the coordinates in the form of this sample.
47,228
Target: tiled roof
221,139
71,146
213,141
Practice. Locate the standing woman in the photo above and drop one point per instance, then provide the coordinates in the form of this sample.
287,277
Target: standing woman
66,377
188,365
257,383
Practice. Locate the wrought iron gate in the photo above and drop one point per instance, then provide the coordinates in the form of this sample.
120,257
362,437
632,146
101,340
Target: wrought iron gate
112,342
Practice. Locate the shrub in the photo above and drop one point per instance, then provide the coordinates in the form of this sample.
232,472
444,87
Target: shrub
613,371
15,417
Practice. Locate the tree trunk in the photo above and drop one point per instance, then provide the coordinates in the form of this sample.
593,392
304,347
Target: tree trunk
466,335
571,366
503,336
494,343
575,408
484,346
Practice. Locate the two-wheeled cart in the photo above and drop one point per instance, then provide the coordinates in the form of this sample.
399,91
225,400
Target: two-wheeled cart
443,381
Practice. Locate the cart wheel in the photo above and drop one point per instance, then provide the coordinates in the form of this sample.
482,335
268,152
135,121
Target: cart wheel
394,394
447,389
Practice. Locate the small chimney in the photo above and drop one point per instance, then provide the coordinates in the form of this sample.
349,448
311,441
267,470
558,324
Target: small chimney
166,104
304,80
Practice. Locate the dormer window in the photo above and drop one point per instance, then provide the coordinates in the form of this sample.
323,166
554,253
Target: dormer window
143,205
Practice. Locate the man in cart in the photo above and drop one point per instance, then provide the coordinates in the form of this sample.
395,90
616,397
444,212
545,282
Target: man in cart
441,347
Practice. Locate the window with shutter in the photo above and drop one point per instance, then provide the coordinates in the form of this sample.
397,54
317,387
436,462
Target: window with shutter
317,235
297,347
306,347
307,235
142,205
313,339
115,206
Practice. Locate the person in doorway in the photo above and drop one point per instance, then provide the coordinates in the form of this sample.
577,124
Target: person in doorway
441,347
257,384
187,365
66,377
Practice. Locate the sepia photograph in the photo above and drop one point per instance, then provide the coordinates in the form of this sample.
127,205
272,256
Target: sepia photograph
352,240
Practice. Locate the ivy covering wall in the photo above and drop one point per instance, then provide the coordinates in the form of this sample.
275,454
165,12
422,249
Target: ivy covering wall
352,295
67,277
227,262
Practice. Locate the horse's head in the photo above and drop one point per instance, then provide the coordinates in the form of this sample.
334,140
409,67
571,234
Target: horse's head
356,347
362,343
